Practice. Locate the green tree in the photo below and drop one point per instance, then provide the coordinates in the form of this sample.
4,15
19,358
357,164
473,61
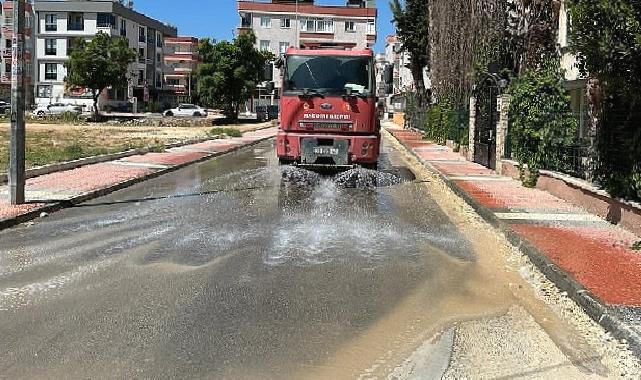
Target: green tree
412,20
98,64
540,119
230,72
606,36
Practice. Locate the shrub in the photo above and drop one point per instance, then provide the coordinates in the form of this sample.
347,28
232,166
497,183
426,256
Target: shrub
540,120
230,132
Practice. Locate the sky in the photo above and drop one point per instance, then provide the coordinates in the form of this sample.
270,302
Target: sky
219,18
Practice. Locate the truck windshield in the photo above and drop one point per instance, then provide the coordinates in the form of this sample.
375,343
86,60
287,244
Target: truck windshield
328,74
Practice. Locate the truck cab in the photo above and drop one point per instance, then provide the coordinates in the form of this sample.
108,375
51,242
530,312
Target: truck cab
328,106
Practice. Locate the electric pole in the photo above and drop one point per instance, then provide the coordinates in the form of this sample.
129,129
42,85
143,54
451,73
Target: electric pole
17,149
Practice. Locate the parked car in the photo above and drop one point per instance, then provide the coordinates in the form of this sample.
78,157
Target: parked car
57,109
265,113
184,110
123,106
4,107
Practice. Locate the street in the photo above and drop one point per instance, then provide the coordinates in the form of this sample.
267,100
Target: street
236,268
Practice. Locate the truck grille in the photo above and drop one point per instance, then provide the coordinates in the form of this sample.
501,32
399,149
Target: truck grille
326,126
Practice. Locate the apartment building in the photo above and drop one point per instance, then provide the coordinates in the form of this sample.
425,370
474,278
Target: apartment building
575,83
403,80
6,42
60,23
279,24
181,62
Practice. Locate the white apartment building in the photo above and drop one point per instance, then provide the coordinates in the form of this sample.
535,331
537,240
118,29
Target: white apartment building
279,24
60,23
575,83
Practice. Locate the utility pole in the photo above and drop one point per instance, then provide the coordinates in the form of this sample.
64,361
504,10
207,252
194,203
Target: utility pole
17,149
297,27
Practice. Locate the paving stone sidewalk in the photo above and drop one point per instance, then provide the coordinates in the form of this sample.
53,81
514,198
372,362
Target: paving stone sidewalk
583,254
50,192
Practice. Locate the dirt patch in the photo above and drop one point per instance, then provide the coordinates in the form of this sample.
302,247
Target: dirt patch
51,143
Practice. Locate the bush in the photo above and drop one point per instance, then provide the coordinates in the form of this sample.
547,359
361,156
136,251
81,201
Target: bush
230,132
540,120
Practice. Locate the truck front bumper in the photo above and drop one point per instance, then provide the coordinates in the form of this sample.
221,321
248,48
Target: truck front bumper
330,149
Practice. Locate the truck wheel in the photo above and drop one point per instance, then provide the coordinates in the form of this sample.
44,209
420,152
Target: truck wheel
284,161
373,166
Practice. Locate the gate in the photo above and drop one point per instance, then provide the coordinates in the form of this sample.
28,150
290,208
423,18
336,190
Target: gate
487,117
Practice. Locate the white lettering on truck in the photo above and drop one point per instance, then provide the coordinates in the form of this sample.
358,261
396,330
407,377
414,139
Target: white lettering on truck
325,116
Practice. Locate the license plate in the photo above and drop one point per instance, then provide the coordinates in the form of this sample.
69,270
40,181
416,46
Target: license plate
325,151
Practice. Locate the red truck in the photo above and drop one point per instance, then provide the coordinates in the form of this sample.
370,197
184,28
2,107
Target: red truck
329,116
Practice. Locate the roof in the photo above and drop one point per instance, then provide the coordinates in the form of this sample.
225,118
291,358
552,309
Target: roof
303,9
349,53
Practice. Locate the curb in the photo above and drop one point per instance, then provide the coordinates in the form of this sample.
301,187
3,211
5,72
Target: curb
563,281
69,165
58,205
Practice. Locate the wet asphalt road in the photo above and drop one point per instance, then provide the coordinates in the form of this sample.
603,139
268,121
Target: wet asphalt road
226,269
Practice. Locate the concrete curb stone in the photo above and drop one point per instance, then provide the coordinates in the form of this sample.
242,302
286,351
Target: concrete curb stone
564,281
57,205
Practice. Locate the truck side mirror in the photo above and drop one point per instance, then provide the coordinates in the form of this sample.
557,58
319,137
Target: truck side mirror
279,63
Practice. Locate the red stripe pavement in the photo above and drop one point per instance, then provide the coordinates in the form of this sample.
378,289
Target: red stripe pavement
596,254
66,185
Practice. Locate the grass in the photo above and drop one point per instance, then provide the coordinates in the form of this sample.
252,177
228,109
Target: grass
51,146
231,132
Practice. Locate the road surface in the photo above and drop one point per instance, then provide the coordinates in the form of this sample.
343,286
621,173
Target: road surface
226,269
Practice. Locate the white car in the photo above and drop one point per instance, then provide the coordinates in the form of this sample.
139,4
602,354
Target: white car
57,109
185,110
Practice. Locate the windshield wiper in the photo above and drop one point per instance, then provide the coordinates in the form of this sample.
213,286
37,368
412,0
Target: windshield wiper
312,93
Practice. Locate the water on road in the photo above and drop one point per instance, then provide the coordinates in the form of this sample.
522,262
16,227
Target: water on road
238,268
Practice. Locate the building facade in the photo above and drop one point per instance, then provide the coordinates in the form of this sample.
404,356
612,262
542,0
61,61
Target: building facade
59,23
181,62
402,75
575,83
279,24
6,36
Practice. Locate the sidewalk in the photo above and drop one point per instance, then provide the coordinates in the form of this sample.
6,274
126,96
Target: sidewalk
581,253
51,192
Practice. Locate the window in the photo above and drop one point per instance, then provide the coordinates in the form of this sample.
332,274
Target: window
350,26
371,27
141,34
325,26
329,74
51,71
141,55
44,91
246,20
158,80
8,43
71,44
158,40
141,77
106,20
51,22
282,47
7,67
265,22
264,45
76,21
123,28
308,25
158,57
285,23
51,47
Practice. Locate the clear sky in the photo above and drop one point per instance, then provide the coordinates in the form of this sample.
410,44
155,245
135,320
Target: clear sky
219,18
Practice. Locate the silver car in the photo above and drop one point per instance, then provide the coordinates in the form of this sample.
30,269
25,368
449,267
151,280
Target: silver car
57,109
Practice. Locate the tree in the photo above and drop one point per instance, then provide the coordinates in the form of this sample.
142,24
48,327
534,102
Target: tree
98,64
412,27
606,36
230,72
